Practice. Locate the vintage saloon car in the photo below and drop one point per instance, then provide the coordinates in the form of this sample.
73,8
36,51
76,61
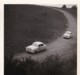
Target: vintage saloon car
36,47
67,35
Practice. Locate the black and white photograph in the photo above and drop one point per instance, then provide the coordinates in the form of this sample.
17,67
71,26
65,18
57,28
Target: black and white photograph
40,39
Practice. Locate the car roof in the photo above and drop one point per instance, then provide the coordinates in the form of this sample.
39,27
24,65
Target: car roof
68,32
37,42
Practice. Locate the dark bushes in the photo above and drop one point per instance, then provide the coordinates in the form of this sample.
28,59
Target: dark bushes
64,6
52,65
74,7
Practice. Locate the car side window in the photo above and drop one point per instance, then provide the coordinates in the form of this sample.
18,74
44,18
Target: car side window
41,45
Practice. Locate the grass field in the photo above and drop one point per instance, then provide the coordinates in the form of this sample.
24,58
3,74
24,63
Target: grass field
27,23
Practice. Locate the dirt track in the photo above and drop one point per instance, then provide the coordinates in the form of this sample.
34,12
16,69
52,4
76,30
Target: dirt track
60,46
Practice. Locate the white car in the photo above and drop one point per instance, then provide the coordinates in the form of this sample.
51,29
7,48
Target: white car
67,35
36,47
